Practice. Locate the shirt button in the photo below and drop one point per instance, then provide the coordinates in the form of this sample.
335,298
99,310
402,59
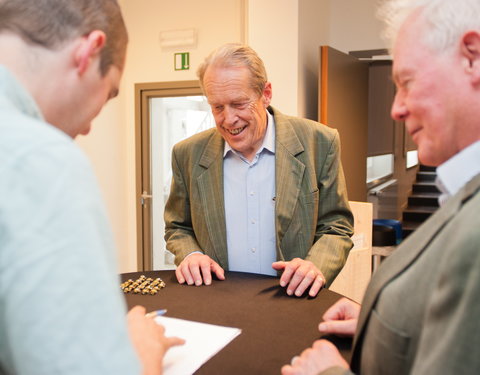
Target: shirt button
252,193
253,249
253,221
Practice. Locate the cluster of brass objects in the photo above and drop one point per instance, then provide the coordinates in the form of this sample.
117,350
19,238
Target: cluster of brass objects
143,285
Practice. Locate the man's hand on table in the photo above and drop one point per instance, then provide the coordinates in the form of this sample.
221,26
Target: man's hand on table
321,356
298,275
148,339
341,318
196,269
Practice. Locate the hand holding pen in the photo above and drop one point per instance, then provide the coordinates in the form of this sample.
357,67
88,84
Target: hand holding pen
154,314
148,338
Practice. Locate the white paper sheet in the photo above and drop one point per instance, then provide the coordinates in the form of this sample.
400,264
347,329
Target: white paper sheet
202,342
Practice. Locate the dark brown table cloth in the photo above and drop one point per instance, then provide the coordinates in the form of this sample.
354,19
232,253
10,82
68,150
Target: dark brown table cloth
275,327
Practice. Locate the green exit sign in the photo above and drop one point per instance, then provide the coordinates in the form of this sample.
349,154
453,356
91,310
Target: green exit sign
182,61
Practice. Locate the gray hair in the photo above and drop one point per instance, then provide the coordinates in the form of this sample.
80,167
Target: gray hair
445,20
51,23
237,55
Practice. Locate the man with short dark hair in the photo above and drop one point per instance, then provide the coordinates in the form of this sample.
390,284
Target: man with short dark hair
61,310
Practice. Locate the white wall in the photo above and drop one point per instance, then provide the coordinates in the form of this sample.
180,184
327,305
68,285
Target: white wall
353,25
285,33
273,33
216,22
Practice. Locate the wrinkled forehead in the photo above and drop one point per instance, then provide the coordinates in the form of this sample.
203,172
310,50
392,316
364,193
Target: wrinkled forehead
231,81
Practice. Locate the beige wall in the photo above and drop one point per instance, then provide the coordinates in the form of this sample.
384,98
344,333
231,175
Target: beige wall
106,148
284,32
353,25
273,33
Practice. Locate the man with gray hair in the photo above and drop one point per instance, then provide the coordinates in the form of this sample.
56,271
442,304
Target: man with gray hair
261,193
420,311
61,309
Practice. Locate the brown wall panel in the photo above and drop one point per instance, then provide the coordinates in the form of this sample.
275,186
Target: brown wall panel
343,105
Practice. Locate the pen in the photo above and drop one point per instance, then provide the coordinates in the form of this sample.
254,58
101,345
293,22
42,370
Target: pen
155,313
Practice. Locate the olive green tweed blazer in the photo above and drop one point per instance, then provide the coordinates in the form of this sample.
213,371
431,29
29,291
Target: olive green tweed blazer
313,219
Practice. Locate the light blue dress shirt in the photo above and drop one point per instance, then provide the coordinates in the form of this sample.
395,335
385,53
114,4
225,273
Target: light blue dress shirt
61,309
249,194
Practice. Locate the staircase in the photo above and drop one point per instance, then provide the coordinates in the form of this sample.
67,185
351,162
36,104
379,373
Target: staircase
423,201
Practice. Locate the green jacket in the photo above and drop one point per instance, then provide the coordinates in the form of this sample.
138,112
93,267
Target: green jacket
313,219
420,313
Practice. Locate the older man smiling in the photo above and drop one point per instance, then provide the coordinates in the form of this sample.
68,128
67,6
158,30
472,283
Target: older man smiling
261,193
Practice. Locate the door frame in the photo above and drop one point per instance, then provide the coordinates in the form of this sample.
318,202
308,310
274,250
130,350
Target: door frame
143,180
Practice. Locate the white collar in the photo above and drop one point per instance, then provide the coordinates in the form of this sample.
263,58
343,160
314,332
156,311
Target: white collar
457,171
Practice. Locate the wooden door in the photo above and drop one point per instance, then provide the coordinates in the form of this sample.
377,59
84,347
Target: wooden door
343,105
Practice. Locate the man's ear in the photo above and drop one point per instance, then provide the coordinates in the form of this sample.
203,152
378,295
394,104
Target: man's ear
88,48
470,49
267,94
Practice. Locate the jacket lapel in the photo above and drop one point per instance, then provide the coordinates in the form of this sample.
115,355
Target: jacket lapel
406,254
210,187
288,174
288,177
